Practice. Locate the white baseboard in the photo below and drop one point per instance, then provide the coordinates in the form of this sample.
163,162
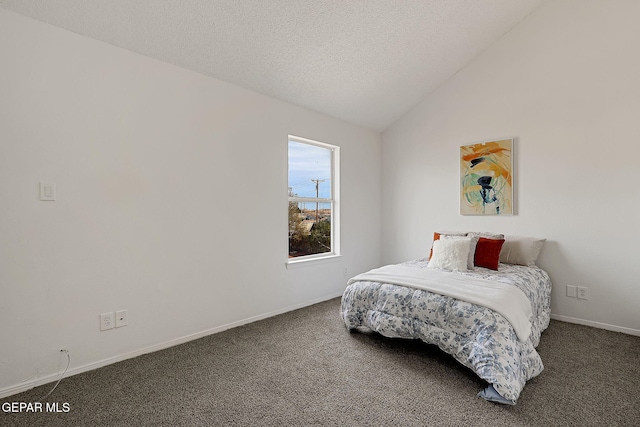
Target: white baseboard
27,385
598,325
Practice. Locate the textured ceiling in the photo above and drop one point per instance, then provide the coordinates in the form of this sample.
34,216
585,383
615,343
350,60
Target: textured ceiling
364,61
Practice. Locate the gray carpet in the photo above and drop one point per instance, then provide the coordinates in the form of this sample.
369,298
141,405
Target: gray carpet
304,368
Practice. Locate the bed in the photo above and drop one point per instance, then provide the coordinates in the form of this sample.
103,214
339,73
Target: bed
489,317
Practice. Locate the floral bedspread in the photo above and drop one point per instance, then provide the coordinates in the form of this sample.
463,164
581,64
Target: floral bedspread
478,337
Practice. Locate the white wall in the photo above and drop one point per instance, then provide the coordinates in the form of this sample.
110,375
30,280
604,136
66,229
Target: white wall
171,203
565,83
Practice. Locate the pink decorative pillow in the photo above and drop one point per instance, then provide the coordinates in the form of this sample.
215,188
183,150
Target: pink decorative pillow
488,253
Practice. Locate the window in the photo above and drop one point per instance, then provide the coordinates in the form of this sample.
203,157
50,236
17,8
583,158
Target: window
313,199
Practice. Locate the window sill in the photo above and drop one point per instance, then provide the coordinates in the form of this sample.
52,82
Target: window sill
307,262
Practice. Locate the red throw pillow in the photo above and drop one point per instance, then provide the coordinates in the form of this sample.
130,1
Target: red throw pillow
488,253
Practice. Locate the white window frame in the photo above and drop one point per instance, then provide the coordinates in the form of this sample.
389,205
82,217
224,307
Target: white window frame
334,202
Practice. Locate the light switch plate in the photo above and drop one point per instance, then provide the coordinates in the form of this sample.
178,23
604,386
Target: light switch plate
47,191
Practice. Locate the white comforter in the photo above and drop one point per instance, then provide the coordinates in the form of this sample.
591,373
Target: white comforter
480,338
502,298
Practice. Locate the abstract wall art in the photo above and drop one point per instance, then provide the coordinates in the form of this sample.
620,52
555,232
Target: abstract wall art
486,178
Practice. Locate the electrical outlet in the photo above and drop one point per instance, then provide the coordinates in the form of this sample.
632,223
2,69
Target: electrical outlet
345,272
583,292
121,318
107,321
572,291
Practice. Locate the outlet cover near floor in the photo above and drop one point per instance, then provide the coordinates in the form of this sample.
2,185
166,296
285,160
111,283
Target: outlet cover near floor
121,318
107,321
583,293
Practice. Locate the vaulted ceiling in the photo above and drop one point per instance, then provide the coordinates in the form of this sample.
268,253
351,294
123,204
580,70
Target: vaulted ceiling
367,62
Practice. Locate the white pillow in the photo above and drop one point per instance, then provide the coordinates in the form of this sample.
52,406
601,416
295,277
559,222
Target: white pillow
473,240
452,233
450,254
521,250
487,235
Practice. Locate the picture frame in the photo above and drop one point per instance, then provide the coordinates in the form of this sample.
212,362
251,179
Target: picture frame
486,178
